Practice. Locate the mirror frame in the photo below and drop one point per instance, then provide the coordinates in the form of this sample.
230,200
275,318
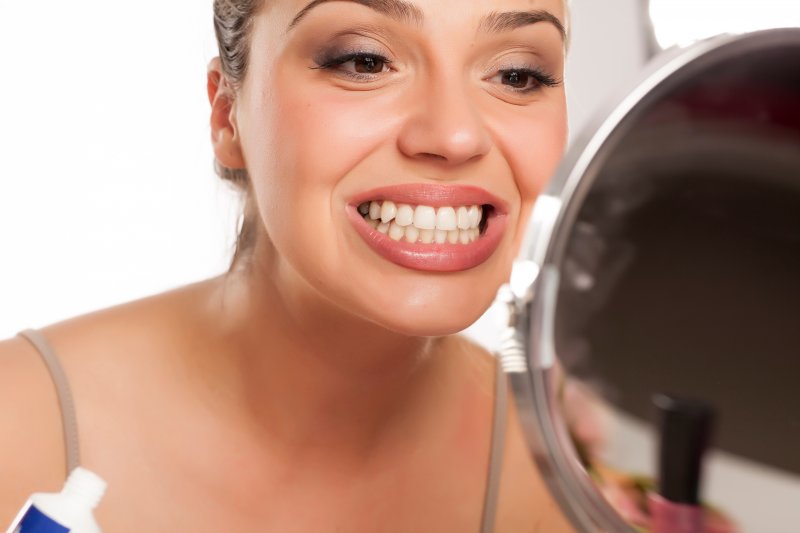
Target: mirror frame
527,350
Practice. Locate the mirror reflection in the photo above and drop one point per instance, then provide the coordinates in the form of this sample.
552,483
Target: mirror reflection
680,277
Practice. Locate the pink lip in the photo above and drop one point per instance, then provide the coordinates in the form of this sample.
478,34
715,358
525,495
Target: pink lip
433,257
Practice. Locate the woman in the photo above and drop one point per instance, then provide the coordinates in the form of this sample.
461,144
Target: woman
390,152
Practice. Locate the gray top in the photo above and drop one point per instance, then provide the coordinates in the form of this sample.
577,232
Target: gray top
69,421
497,449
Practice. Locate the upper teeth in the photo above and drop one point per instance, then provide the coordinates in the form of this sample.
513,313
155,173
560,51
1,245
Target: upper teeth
424,223
424,217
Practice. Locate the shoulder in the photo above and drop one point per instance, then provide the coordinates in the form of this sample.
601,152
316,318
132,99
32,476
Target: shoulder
525,502
108,357
31,440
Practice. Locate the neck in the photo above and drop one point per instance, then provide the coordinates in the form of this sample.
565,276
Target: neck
317,379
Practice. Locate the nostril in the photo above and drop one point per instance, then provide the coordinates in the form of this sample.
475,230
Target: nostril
435,157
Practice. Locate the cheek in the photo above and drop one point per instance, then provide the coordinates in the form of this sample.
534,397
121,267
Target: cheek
302,140
534,147
321,134
533,144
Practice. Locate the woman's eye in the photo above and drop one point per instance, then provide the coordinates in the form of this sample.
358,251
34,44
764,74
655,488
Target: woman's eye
525,80
357,65
368,65
517,79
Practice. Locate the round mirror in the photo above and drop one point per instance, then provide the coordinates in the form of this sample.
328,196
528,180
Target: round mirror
654,339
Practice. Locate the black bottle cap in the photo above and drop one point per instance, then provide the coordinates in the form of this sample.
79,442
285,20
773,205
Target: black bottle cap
685,426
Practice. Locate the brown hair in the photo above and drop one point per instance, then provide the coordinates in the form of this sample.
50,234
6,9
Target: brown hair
233,20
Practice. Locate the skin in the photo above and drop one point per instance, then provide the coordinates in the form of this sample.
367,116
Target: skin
317,387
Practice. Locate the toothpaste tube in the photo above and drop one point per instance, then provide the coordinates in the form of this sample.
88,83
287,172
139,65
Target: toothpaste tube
70,510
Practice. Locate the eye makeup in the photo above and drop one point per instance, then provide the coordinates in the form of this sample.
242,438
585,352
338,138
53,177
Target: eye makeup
367,63
525,79
358,56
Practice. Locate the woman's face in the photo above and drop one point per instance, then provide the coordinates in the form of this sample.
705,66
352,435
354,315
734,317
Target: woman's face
442,118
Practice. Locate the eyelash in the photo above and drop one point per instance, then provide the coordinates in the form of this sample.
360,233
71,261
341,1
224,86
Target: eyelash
334,62
542,78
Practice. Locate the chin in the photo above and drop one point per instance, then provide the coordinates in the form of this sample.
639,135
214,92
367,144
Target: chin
433,326
423,315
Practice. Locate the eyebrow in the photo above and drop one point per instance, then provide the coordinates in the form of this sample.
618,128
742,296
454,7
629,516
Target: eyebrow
397,9
495,22
498,22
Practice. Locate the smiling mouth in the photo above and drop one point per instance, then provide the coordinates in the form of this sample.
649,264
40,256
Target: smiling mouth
430,227
422,224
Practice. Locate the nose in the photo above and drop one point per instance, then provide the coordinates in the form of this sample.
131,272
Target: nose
444,125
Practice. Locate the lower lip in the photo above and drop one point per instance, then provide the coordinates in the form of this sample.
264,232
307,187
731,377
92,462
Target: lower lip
432,257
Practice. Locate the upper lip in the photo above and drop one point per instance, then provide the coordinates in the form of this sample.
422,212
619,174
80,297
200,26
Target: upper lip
433,195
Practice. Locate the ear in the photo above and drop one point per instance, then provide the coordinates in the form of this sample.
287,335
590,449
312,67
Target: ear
224,133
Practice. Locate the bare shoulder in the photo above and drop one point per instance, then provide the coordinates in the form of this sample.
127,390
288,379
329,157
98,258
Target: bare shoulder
526,503
31,451
107,357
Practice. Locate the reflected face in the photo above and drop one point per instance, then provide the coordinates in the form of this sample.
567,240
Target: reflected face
396,149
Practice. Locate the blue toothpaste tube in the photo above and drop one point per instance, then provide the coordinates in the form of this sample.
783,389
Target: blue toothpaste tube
71,510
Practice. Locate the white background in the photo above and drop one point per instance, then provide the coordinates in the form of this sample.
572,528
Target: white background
107,191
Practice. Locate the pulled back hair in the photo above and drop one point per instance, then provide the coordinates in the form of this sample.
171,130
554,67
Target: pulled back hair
233,22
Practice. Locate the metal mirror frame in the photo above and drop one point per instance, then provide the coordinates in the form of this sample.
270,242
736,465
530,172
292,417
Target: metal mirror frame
528,346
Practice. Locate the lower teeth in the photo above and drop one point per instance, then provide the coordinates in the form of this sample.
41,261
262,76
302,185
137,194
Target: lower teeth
413,235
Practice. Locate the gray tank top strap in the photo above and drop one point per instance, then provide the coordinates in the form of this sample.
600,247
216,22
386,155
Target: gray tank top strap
497,449
69,420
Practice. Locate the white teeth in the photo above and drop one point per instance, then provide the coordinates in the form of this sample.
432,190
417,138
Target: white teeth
424,223
396,232
388,212
475,215
412,234
374,210
426,236
446,219
463,218
425,217
405,215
